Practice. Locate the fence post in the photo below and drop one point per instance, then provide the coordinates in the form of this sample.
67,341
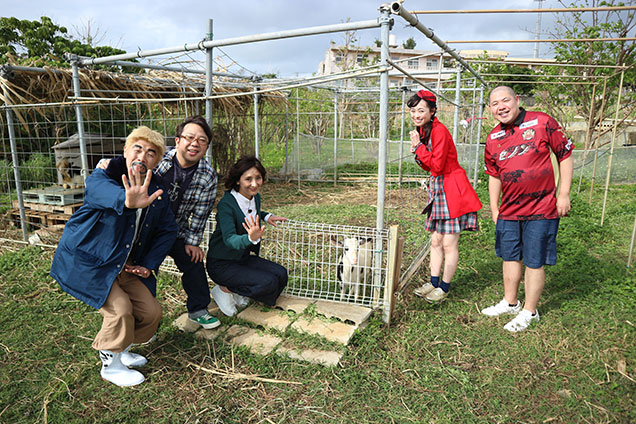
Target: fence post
609,162
401,132
256,135
458,83
209,86
394,261
335,137
481,115
16,168
80,119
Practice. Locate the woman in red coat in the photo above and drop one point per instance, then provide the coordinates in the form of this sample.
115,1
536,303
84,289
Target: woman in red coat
455,203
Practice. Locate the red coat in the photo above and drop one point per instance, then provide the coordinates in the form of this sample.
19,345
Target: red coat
442,160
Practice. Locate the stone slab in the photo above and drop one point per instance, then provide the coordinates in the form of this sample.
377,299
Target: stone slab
294,304
269,319
255,341
210,334
328,358
338,332
184,324
346,313
213,309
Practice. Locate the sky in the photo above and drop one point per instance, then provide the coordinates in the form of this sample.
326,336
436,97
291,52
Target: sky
145,25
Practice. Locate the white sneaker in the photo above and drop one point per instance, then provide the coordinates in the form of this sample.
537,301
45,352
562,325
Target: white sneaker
130,359
521,321
225,301
503,307
116,372
424,290
240,301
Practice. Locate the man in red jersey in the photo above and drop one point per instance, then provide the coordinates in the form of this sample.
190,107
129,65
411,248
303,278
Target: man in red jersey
521,173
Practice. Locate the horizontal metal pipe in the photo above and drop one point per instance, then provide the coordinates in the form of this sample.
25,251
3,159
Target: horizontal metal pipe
396,8
206,44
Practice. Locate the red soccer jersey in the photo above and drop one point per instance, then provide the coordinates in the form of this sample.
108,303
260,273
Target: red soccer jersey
519,155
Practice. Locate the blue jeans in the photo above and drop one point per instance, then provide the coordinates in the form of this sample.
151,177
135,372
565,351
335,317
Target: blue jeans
194,280
534,242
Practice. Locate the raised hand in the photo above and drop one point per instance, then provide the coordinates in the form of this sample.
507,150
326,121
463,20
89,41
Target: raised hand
415,139
253,227
273,219
137,189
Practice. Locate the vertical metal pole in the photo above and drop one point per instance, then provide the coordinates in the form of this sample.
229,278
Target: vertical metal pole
438,86
335,137
287,135
609,162
209,84
297,138
458,83
385,27
80,120
481,114
256,135
402,105
16,170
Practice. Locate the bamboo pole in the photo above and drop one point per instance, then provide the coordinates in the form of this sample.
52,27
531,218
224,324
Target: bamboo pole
555,40
609,162
598,141
631,245
555,10
588,134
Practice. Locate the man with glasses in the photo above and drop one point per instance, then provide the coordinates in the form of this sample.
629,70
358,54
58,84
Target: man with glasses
191,182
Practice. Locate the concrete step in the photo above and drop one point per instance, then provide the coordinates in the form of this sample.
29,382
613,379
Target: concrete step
315,318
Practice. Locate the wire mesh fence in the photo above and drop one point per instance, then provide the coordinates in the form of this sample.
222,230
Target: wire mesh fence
314,256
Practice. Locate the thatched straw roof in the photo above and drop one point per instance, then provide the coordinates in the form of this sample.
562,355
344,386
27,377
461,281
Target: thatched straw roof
22,85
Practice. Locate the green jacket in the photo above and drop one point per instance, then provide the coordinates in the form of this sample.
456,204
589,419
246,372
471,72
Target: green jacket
230,240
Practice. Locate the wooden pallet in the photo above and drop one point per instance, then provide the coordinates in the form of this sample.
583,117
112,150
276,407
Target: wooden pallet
66,209
38,219
54,195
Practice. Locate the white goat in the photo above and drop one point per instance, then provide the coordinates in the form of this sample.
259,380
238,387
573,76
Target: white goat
354,264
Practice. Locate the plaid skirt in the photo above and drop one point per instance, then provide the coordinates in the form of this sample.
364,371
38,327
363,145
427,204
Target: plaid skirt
439,220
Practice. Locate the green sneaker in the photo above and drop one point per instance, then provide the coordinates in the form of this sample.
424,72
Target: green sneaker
206,321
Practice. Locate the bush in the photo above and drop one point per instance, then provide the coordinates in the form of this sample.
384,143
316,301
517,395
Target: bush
37,171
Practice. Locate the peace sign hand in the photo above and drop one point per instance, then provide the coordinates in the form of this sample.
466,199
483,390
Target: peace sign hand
253,228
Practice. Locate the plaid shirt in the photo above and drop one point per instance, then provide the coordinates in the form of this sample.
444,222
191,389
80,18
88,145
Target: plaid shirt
198,200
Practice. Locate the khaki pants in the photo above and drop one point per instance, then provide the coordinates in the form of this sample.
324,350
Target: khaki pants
131,315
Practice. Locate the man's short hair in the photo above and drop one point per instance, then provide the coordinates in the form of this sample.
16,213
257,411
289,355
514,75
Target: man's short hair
146,134
197,119
505,87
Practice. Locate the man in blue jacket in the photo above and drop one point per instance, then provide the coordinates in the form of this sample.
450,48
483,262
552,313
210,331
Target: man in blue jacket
112,247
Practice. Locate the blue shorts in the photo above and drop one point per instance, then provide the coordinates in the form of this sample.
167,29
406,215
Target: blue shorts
534,242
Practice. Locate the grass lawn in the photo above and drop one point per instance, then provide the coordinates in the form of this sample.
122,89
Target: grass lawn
443,364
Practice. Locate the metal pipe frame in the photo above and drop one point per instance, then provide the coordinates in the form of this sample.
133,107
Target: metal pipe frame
80,120
479,125
209,87
206,44
16,170
458,99
396,8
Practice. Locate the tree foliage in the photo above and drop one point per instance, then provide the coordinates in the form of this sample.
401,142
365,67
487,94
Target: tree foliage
514,76
599,24
409,44
40,43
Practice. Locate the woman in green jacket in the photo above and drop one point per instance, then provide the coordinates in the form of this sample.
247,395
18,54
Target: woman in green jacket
239,274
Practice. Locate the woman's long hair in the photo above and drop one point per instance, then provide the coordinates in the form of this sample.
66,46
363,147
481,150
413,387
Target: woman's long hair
426,128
